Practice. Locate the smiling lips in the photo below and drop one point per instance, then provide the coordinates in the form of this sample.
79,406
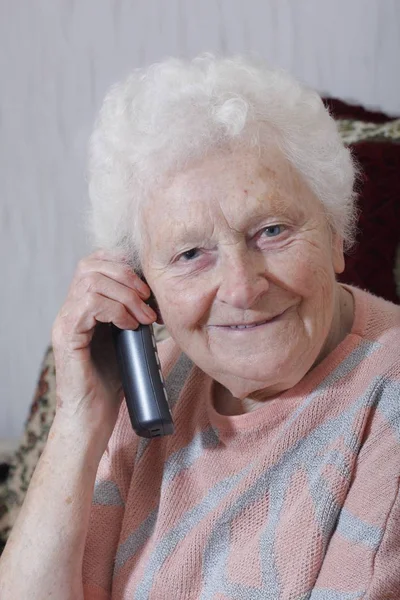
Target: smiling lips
251,325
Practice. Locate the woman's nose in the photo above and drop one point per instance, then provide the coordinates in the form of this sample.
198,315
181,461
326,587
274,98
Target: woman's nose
241,283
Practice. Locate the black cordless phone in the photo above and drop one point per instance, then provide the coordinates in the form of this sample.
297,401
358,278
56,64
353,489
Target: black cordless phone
142,380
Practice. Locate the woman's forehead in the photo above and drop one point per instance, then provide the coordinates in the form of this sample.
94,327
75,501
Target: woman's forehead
236,182
240,168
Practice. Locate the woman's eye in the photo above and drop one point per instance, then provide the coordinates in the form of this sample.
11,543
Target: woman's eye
189,254
273,230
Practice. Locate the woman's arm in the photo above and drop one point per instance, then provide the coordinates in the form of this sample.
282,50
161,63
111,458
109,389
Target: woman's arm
43,557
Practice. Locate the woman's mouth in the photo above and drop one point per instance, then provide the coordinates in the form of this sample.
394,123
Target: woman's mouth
254,325
250,326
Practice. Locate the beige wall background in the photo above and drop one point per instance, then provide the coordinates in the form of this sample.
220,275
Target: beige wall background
57,58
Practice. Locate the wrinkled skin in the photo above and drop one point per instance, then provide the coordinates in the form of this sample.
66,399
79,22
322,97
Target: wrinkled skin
237,240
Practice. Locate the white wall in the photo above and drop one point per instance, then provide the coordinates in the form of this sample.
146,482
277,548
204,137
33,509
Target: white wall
57,58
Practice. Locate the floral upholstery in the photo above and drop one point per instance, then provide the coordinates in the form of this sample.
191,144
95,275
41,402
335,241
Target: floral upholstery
378,252
31,445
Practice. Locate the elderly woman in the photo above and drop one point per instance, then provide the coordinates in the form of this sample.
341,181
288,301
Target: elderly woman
225,187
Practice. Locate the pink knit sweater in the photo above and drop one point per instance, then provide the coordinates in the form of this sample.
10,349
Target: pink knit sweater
296,500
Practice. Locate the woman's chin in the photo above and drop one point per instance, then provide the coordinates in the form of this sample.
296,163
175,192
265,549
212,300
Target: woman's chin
269,372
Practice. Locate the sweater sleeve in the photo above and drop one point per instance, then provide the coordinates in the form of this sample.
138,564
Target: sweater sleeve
363,554
385,583
108,506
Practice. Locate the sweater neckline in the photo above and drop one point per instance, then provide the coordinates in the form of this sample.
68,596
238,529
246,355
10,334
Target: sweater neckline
278,408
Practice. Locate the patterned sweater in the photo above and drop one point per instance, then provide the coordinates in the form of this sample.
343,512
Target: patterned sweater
296,500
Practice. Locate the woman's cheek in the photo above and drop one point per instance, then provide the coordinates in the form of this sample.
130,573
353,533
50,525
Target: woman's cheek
316,285
293,275
308,271
182,303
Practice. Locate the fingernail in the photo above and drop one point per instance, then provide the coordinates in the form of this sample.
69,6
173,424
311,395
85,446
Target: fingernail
149,312
142,288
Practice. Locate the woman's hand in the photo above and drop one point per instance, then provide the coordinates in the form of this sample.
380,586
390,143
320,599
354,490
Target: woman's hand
89,390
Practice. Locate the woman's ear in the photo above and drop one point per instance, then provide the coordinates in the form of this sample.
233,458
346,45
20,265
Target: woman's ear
337,253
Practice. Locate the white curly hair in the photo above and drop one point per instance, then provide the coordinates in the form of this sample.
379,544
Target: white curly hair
162,118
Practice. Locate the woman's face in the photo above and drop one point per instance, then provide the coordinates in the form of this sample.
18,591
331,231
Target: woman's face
242,263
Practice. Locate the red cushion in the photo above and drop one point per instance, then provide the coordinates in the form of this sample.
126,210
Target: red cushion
371,263
342,110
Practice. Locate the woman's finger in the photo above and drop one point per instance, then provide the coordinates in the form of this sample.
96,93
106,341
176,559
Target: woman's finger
119,271
97,283
76,322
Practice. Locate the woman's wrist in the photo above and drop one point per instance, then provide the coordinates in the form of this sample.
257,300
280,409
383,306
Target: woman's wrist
79,435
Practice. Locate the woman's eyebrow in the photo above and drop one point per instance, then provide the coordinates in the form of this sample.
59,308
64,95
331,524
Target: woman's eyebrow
191,233
293,212
180,234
